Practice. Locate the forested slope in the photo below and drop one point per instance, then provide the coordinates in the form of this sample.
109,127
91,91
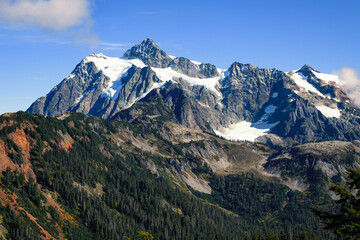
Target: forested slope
79,177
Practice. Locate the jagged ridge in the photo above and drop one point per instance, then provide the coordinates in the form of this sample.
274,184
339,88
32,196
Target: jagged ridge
243,102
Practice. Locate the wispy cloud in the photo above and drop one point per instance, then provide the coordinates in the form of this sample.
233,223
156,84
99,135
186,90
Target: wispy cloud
35,39
351,84
72,16
40,39
53,14
108,44
113,46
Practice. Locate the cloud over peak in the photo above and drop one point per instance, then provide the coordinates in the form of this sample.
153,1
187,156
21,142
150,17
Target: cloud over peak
351,84
48,14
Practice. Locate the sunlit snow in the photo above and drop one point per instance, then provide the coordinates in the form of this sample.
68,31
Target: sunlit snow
301,81
247,131
329,112
328,77
154,86
195,62
172,57
115,69
270,109
166,74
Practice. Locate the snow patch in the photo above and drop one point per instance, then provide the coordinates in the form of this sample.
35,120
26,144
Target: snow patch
247,131
172,57
114,69
328,77
270,109
328,95
166,74
329,112
275,95
301,81
195,62
79,99
154,86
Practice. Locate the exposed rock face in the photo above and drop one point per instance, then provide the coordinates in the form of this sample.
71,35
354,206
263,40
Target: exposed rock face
247,89
62,97
299,106
149,53
315,163
207,70
306,124
137,82
185,108
83,92
331,88
186,66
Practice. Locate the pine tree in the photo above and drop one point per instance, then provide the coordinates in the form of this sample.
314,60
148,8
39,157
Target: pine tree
346,223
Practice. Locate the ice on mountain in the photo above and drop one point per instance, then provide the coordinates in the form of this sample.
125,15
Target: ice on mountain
114,69
275,95
329,112
328,77
248,131
302,82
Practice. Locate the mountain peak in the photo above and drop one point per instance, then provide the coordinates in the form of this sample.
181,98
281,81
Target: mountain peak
306,70
148,42
149,53
306,67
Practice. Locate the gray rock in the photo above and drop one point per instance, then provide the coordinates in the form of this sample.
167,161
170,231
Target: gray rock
83,92
149,53
187,67
62,97
315,163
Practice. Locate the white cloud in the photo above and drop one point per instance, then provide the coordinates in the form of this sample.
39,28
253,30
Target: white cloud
108,44
77,38
351,84
113,46
48,14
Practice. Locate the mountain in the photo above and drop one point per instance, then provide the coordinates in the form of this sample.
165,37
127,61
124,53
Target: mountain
149,142
243,102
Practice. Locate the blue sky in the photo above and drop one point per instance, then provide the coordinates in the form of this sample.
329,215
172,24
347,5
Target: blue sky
37,52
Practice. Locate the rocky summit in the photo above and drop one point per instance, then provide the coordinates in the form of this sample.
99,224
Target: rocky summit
243,102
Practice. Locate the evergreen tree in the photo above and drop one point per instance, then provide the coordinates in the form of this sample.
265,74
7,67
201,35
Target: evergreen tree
345,223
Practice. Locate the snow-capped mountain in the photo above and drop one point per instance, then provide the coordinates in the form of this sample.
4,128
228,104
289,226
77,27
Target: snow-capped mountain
243,102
